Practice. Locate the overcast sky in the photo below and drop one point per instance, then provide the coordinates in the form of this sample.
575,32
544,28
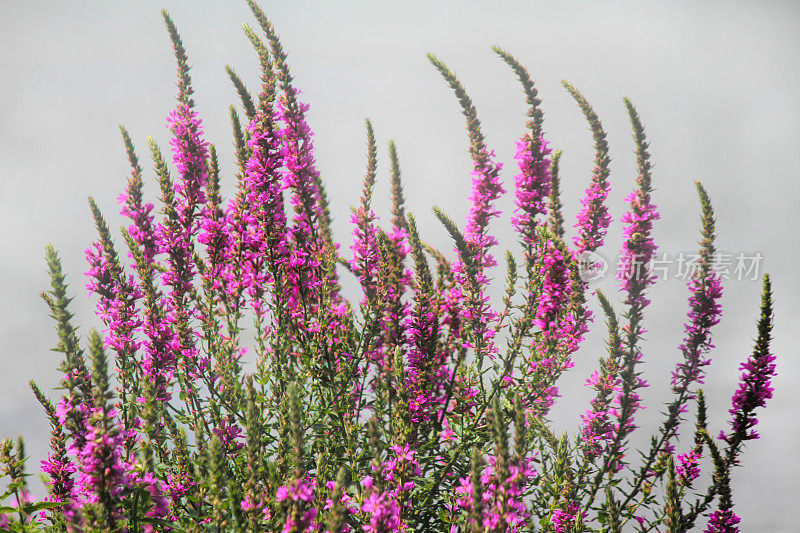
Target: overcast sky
716,83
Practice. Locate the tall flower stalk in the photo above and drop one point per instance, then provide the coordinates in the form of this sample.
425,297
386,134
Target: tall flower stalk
635,276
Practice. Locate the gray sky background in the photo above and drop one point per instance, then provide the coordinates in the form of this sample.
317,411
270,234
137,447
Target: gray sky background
716,84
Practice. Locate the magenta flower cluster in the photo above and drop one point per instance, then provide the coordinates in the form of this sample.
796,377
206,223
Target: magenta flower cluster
250,392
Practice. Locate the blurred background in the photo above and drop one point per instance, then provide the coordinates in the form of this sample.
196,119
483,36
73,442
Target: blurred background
716,84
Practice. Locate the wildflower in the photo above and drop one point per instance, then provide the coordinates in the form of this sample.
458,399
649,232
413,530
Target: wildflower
228,434
366,255
635,276
133,206
723,521
531,185
299,494
688,467
704,312
564,517
705,290
755,385
304,266
383,512
486,189
501,500
555,290
593,219
60,472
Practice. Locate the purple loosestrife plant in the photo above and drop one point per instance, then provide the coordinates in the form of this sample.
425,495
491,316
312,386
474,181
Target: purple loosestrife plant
593,219
416,404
